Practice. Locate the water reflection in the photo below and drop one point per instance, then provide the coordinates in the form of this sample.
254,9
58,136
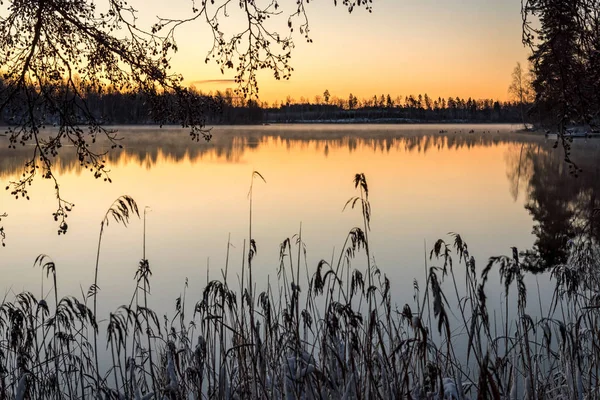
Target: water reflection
145,146
564,208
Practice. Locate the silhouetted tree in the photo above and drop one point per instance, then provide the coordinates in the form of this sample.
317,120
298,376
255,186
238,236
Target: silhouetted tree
565,41
326,96
556,62
521,89
427,101
389,103
352,102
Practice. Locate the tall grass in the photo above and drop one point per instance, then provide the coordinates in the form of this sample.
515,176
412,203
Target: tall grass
325,331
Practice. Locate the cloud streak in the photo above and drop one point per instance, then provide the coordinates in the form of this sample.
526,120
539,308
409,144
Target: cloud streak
218,81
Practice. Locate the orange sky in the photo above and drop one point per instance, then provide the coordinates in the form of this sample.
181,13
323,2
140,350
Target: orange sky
464,48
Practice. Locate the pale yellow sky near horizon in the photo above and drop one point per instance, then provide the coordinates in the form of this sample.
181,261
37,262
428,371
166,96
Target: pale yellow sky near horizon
465,48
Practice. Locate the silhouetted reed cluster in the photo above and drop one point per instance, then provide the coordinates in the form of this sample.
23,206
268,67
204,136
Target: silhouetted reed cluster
325,331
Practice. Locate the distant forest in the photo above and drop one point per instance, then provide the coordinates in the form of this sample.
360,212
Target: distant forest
385,109
113,107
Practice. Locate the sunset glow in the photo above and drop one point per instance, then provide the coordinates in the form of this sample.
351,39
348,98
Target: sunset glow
453,48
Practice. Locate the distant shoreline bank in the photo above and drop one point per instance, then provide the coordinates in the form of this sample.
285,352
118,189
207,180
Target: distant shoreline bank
386,121
390,122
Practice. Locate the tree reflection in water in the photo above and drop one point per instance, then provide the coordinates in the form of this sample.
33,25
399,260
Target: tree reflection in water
564,208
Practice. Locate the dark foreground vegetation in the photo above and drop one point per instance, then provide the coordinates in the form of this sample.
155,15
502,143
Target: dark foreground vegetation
324,331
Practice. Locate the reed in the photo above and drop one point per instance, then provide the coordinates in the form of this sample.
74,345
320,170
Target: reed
325,331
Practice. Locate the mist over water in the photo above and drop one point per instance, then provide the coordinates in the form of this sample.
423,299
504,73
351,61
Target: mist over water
489,186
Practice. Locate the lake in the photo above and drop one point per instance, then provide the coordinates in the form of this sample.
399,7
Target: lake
495,187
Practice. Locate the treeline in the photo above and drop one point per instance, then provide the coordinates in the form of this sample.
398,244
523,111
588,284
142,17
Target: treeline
227,108
386,109
135,108
110,106
81,104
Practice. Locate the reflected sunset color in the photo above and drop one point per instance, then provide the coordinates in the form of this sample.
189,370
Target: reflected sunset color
422,185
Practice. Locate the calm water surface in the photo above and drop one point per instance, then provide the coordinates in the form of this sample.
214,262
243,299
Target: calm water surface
489,186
